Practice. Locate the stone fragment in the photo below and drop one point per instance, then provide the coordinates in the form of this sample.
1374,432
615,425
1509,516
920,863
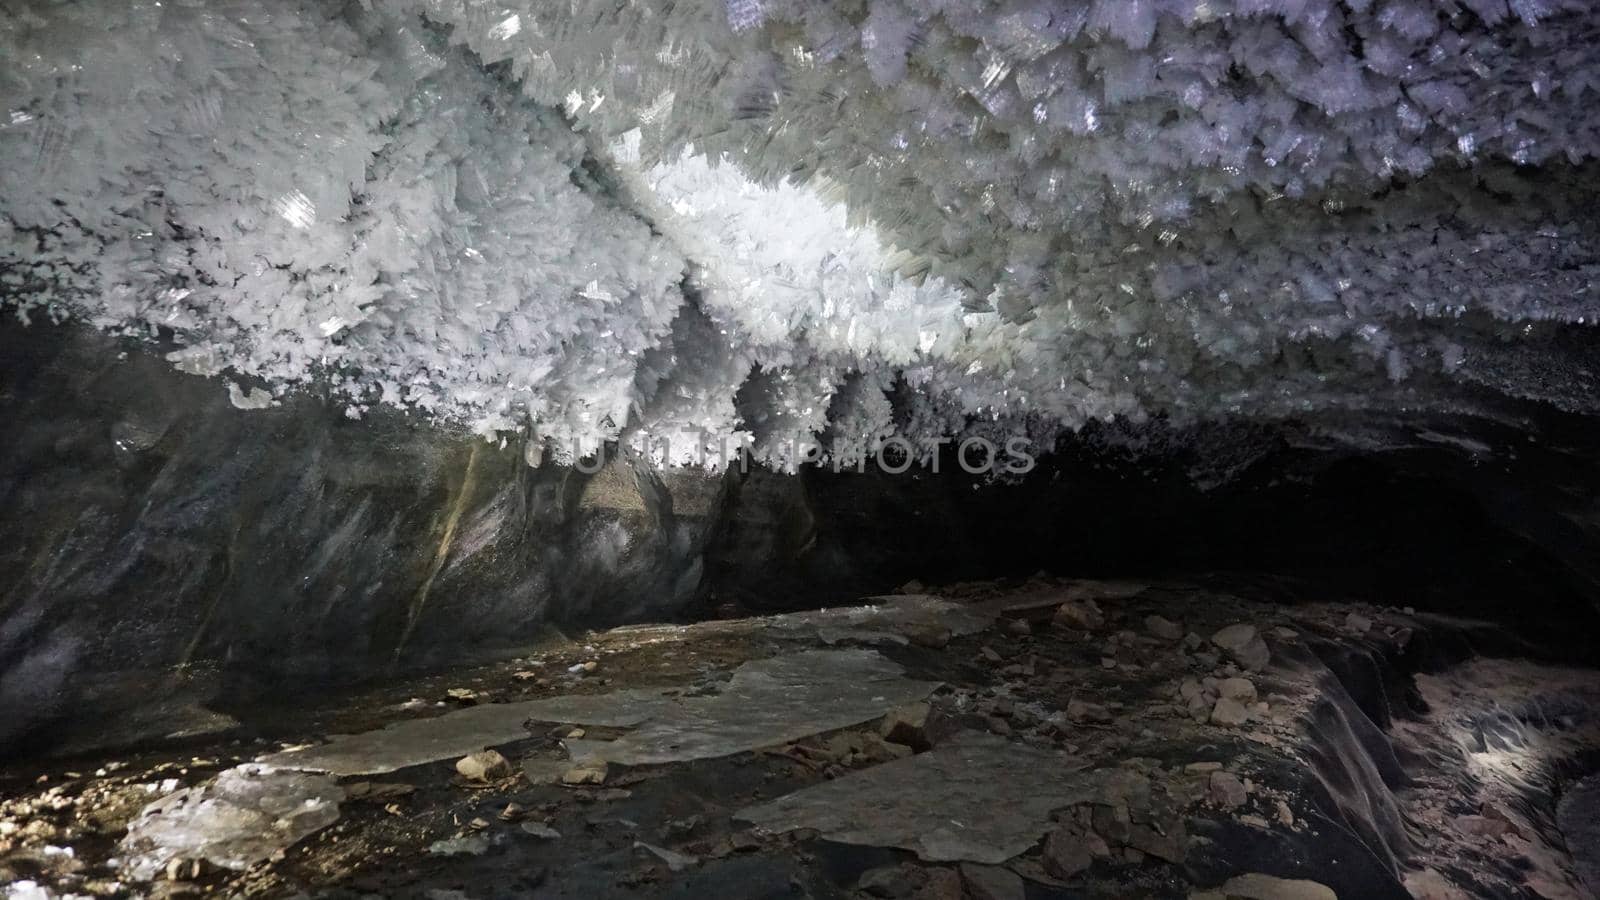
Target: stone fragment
1082,711
540,830
1169,844
374,790
587,772
908,725
992,883
1019,627
483,766
1226,790
1202,768
941,884
177,870
1112,822
1244,644
1066,854
1285,814
1191,690
1241,689
1084,615
1490,811
1482,826
676,862
1165,629
1229,712
1358,623
891,882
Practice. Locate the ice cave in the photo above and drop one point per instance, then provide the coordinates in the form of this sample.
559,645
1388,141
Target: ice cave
858,449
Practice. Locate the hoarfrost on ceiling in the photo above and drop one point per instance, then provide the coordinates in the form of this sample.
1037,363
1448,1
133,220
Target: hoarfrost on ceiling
589,222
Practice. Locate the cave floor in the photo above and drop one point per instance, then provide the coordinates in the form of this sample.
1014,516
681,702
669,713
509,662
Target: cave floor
1050,738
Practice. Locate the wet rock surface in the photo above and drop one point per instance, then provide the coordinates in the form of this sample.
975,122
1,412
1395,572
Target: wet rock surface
1416,758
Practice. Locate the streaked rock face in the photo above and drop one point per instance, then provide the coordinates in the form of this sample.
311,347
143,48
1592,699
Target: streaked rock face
155,526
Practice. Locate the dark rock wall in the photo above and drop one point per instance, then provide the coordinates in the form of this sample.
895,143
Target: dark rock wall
149,526
150,531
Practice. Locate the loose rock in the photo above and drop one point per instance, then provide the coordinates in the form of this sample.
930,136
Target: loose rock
1229,712
1081,711
585,773
992,883
1241,689
484,766
1245,645
675,861
1066,854
1165,629
1084,615
1227,791
908,726
891,882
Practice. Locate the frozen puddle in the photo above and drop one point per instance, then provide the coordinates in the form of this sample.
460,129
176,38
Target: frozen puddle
766,702
240,818
977,798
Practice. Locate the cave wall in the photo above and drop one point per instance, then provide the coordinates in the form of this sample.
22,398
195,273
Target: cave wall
156,539
150,527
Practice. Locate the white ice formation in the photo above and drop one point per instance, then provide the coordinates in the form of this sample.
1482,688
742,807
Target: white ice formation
595,221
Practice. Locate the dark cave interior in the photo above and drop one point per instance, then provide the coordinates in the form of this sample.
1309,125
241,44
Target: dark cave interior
368,371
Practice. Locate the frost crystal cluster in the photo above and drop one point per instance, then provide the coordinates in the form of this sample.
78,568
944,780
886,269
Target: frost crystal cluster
754,219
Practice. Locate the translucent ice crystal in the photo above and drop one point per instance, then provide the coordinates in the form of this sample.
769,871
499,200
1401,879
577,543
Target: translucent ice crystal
756,219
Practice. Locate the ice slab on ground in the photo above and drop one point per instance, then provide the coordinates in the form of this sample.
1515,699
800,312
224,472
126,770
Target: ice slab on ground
414,742
977,798
240,818
891,619
766,702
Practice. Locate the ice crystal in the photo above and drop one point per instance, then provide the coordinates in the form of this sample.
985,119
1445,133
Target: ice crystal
757,220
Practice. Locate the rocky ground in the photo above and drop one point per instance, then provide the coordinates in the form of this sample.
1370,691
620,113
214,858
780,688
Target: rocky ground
1049,738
